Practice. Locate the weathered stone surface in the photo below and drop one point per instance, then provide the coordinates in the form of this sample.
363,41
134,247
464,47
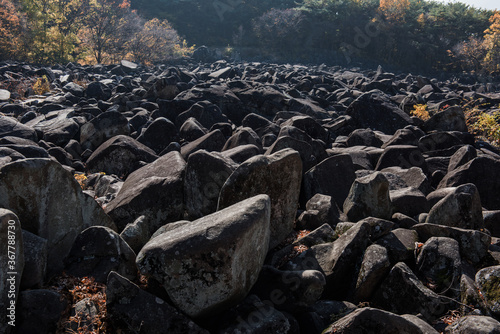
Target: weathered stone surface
277,175
460,208
450,119
132,309
57,127
404,156
363,137
50,203
332,176
11,127
488,281
35,261
206,173
371,320
118,156
155,190
212,141
12,266
137,233
409,201
159,134
39,311
474,324
483,173
462,156
402,292
492,222
103,127
413,177
211,264
305,150
473,244
242,153
400,243
99,250
243,136
375,266
369,197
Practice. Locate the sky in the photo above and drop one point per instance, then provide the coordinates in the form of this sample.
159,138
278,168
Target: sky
486,4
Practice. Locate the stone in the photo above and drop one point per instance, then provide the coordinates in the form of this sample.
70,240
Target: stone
242,153
99,250
404,156
290,291
309,126
57,127
473,244
10,127
103,127
460,208
136,234
4,95
132,309
402,292
243,136
476,324
39,311
305,150
74,89
191,130
492,222
488,282
402,137
35,261
462,156
439,265
51,205
210,264
363,137
450,119
374,267
12,266
372,320
409,201
212,141
332,176
155,190
483,172
413,177
206,173
368,197
277,175
400,243
328,211
159,134
118,156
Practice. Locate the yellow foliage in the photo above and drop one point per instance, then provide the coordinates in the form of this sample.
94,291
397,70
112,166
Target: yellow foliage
394,10
81,178
483,125
420,110
41,86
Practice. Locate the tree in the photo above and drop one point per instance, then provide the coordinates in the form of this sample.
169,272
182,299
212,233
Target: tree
492,42
10,30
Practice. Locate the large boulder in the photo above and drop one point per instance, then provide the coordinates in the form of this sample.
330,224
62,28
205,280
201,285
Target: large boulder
155,190
211,263
476,324
57,127
11,127
488,282
103,127
450,119
277,175
483,171
49,203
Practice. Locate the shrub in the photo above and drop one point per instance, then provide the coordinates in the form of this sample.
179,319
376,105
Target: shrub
420,110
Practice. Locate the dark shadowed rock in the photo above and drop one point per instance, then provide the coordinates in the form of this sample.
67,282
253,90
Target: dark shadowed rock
103,127
461,157
134,310
57,127
39,311
50,203
11,127
159,134
363,137
400,243
488,281
404,156
409,201
99,250
35,260
119,155
191,130
474,324
212,141
375,266
450,119
242,153
279,176
211,264
155,190
243,136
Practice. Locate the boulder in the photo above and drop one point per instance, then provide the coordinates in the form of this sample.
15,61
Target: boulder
488,282
11,127
99,250
374,267
35,261
404,156
206,173
51,204
409,201
103,127
57,127
460,208
277,175
39,311
155,190
211,263
400,244
476,324
450,119
132,310
212,141
369,197
159,134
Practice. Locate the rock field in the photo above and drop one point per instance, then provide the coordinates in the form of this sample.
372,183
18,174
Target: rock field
249,198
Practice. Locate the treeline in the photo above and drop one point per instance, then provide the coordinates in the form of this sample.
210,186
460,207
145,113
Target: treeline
410,34
88,31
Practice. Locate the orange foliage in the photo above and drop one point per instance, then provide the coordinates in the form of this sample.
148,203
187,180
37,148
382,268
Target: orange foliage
10,25
394,10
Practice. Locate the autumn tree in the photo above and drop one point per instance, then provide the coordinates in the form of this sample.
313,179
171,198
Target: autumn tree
492,42
10,30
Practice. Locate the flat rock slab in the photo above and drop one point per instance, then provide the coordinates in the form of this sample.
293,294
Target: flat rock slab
211,263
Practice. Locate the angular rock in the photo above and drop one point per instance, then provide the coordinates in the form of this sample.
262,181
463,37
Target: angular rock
372,320
57,127
155,190
212,141
413,177
488,281
482,172
409,201
191,130
159,134
492,222
242,153
118,156
402,292
474,324
404,156
132,309
363,137
99,250
11,127
400,243
305,150
103,127
375,266
212,263
35,261
461,208
332,176
206,173
450,119
462,156
136,234
51,204
277,175
369,197
39,311
473,244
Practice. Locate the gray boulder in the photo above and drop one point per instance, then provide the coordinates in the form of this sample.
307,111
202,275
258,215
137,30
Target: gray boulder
211,263
35,261
474,324
277,175
155,190
103,127
11,127
488,281
39,311
375,266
